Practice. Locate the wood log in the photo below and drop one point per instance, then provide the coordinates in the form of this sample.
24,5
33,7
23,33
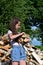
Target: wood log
6,47
0,37
3,51
3,58
5,38
1,43
37,58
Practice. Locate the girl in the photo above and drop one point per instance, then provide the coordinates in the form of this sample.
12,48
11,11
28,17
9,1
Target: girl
18,52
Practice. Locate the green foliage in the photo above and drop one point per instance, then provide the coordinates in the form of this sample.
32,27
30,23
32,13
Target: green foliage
22,9
40,47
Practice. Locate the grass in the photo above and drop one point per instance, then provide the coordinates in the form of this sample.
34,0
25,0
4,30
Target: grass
40,47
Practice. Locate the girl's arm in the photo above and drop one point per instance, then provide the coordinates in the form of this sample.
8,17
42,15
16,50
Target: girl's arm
15,36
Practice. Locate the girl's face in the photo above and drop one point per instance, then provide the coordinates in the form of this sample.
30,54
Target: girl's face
17,25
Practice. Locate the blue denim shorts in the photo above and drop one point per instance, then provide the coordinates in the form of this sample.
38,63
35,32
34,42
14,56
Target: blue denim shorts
18,53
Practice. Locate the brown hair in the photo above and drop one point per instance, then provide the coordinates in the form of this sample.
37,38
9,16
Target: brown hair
13,23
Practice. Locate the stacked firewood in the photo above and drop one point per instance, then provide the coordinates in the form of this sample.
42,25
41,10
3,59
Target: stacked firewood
5,47
31,51
25,38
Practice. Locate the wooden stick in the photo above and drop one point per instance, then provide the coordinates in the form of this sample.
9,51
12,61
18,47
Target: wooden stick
6,54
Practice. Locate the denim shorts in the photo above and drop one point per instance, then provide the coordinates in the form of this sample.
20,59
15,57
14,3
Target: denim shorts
18,53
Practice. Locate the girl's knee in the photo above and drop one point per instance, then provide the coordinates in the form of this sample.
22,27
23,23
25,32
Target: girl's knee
14,63
22,62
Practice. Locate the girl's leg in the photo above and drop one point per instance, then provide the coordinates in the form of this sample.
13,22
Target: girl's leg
22,62
15,55
14,63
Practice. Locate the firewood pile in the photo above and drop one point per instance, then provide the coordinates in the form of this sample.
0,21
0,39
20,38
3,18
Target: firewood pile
24,39
31,51
5,48
34,55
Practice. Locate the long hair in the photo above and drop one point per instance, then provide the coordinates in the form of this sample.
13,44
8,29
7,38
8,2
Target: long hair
13,23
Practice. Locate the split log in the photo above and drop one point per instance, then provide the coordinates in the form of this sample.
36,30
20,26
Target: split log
5,48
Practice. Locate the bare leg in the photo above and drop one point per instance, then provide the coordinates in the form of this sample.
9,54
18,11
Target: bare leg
14,63
22,62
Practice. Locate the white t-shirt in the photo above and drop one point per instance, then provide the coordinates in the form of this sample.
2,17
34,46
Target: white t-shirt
10,32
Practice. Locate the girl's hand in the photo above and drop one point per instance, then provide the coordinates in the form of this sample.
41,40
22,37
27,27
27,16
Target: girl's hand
22,33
